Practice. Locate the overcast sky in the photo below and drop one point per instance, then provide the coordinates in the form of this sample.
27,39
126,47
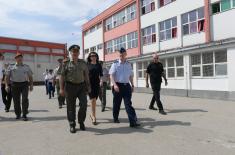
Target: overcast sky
48,20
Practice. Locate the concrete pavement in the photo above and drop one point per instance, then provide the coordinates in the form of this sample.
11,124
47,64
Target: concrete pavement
193,126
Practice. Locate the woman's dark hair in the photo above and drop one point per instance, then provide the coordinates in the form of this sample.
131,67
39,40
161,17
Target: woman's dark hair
89,57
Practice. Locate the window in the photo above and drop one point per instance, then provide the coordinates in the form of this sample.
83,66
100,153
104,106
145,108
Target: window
119,19
168,29
42,49
93,49
149,35
210,64
7,47
109,46
100,46
171,67
147,6
193,21
225,5
131,12
233,3
142,67
119,43
163,61
215,7
108,24
92,29
26,48
86,51
179,66
99,25
58,51
132,40
165,2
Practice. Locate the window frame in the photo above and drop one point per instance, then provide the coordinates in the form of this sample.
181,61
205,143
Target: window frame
146,36
164,30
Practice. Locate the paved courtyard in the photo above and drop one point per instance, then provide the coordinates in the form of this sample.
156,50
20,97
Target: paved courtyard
192,127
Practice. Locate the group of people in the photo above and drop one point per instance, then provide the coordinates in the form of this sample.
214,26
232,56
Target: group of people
75,78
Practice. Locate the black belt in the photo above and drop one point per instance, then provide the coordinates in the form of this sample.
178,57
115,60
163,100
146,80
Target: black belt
20,82
122,84
68,82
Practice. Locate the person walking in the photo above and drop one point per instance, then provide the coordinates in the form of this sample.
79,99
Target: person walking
121,75
155,71
6,96
61,99
1,77
21,77
45,74
95,77
50,83
74,83
103,88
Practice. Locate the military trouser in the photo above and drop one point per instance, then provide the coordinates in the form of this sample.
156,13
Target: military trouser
6,97
74,91
102,94
61,99
20,89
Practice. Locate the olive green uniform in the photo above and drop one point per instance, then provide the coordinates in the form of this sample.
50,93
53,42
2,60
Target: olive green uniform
77,85
61,99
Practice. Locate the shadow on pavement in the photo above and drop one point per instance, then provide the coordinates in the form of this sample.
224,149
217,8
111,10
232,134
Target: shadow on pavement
146,125
186,110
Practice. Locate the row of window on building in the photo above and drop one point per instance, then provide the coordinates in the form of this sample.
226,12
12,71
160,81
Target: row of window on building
127,41
30,48
93,28
94,49
206,64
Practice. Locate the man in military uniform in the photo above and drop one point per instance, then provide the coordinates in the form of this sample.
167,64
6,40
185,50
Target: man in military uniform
155,71
121,75
61,99
74,83
21,77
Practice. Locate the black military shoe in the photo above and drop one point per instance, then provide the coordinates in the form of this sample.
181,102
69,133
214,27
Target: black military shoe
135,125
103,109
72,129
60,107
116,121
17,117
82,126
25,118
152,108
7,110
162,112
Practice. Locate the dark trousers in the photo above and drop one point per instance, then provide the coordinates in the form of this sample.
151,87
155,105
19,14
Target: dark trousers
51,89
124,93
46,84
102,94
74,91
20,90
61,99
6,97
156,97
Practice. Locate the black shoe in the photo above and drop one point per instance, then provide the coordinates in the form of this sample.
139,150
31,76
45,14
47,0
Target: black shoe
116,121
82,126
162,112
152,108
60,107
17,117
103,109
25,118
72,130
7,110
135,125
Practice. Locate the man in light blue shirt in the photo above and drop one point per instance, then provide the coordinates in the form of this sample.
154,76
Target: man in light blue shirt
121,75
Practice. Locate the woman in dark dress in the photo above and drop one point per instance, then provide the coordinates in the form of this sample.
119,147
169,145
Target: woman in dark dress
95,75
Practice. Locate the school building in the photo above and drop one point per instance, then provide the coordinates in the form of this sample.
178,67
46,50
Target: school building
38,55
195,40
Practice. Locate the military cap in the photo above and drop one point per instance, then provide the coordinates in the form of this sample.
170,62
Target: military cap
122,50
74,47
18,54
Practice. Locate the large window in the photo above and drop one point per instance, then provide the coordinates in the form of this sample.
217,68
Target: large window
132,40
119,43
142,67
168,29
8,47
210,64
165,2
93,49
173,67
121,17
149,35
131,12
193,21
222,5
147,6
127,41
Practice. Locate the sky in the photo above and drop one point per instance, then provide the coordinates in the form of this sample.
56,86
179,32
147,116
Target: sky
48,20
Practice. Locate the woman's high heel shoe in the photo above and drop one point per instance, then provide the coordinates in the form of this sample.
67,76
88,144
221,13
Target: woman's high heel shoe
93,120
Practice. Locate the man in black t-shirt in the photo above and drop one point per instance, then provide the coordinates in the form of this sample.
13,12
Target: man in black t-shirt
156,72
